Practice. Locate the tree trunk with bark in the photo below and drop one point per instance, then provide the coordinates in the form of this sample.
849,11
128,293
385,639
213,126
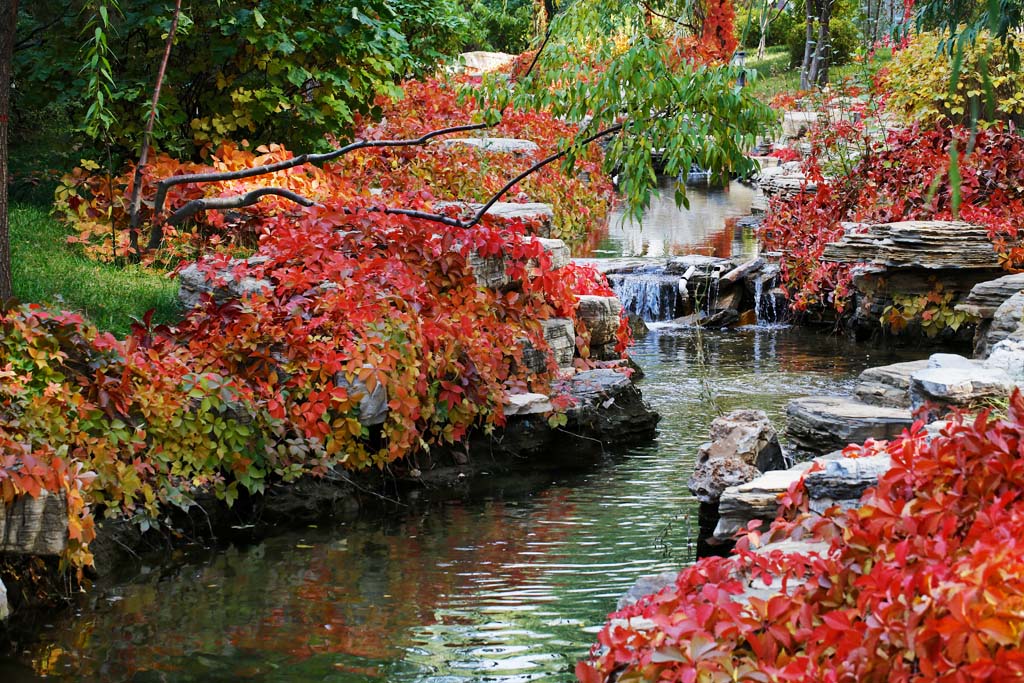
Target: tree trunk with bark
136,200
805,65
8,24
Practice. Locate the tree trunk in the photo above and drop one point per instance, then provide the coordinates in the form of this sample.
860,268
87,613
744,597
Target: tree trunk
823,50
136,200
8,25
762,44
805,66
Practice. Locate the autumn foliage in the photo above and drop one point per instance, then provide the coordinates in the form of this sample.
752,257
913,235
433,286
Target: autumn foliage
903,177
924,582
96,205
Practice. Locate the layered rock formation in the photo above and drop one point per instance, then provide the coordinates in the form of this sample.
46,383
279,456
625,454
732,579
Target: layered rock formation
910,259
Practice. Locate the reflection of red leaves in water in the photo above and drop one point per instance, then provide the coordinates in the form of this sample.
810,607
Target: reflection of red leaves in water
303,603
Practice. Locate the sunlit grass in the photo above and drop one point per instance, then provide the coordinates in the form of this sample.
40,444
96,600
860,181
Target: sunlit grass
46,269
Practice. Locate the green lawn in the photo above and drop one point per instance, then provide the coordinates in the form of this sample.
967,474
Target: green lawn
46,269
774,74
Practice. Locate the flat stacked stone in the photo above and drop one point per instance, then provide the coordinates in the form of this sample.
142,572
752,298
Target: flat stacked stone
492,271
601,316
1006,323
506,211
986,297
195,282
915,244
821,424
494,145
755,499
910,259
560,336
888,385
786,186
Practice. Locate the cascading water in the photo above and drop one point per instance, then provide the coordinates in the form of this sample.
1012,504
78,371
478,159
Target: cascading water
650,296
758,303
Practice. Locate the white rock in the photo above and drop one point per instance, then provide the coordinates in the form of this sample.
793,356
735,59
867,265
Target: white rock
1008,356
527,404
958,386
495,145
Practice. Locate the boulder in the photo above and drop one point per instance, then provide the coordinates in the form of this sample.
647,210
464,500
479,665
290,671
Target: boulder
1008,356
821,424
507,211
888,385
479,62
1005,323
34,526
796,124
786,186
600,315
373,405
915,244
743,445
986,297
842,481
560,337
607,405
754,499
644,586
494,145
195,282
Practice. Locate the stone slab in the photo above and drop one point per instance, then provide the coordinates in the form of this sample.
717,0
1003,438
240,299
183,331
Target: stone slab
34,526
821,424
888,385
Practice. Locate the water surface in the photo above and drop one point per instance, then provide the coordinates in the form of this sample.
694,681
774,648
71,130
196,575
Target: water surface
708,227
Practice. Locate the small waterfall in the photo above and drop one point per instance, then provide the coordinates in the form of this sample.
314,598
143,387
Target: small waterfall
758,295
650,296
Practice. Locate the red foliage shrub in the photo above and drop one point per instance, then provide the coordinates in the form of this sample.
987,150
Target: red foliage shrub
925,582
906,177
89,200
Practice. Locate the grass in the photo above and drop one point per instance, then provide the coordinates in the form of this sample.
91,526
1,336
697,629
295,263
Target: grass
775,75
47,270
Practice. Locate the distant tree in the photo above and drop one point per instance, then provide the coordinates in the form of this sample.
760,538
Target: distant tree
8,22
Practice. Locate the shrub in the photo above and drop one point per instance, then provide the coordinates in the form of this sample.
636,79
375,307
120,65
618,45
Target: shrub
261,389
88,199
748,27
919,76
924,582
904,177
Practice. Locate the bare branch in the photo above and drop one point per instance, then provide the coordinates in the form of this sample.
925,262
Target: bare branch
427,216
438,218
156,235
236,202
166,183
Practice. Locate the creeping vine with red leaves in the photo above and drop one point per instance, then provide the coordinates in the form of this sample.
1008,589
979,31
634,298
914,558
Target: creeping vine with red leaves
924,582
903,177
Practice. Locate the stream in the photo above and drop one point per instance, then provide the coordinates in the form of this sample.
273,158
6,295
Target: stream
508,586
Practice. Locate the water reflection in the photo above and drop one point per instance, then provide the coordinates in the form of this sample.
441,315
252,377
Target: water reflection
509,589
708,227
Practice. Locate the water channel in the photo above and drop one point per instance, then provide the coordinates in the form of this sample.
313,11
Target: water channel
509,586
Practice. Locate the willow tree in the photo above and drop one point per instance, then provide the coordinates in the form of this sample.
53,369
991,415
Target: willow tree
651,77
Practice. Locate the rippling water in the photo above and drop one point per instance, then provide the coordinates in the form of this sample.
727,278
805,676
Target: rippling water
509,588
